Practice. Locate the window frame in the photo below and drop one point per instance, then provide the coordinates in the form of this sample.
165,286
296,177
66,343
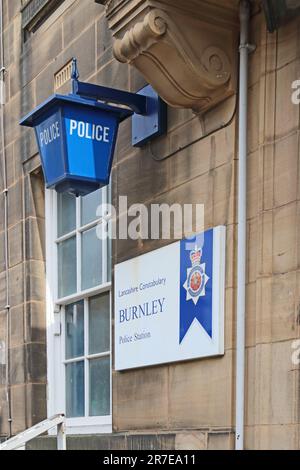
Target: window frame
42,18
78,233
55,310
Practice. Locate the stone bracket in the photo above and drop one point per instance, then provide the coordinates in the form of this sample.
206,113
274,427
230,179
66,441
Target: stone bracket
189,59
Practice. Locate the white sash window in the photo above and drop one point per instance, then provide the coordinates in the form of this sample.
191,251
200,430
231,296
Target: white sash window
78,312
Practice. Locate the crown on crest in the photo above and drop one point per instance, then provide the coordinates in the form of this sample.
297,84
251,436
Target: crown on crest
196,256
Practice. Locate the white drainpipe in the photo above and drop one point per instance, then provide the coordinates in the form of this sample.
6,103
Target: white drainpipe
245,49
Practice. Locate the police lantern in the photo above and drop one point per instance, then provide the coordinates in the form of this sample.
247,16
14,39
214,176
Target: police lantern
76,139
76,133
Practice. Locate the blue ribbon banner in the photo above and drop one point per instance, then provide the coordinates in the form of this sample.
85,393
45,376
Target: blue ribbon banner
196,280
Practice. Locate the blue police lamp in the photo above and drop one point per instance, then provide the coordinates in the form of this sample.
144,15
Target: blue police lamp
77,133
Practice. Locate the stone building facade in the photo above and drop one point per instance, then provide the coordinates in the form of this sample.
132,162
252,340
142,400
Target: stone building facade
186,405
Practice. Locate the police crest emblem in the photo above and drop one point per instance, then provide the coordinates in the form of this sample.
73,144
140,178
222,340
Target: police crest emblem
196,277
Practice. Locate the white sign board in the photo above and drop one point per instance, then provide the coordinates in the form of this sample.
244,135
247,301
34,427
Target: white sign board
169,303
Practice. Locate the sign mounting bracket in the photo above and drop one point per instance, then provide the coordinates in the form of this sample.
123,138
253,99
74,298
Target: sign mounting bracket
150,112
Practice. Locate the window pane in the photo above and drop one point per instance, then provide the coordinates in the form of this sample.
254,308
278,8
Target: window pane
66,213
99,330
67,279
89,206
75,389
91,259
100,387
74,330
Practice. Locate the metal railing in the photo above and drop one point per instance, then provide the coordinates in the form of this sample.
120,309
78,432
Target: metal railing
18,442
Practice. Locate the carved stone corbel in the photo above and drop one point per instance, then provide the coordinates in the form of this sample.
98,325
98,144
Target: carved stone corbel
187,56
